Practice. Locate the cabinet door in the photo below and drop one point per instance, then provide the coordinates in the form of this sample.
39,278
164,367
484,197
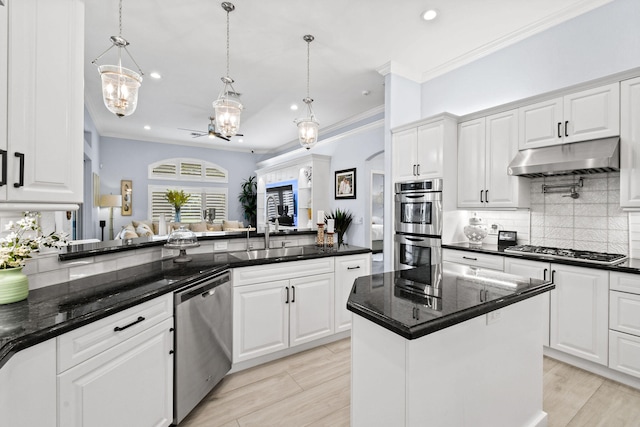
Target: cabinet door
630,144
579,312
591,114
260,319
28,386
311,308
130,384
348,269
4,28
46,100
502,190
405,155
535,270
624,353
471,163
430,150
540,124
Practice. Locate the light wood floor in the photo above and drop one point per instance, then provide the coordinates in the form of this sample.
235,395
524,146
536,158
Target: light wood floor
312,389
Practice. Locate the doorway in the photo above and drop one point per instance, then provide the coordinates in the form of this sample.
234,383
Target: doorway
377,221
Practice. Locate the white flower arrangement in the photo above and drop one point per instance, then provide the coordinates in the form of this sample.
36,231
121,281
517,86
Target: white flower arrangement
16,247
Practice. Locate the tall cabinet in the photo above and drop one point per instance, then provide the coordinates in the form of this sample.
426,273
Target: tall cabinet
630,143
41,101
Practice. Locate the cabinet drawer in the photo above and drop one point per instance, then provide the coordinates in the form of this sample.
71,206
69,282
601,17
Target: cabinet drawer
83,343
474,259
281,271
625,282
624,353
624,312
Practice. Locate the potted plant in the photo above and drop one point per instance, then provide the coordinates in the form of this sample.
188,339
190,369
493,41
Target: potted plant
177,198
248,198
341,221
23,238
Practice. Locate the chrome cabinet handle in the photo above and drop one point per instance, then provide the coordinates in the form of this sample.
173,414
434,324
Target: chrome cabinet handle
122,328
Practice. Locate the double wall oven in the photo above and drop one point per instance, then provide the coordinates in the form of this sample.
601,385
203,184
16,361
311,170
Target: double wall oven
418,224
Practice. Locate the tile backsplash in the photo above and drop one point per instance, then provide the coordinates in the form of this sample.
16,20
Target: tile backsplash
594,221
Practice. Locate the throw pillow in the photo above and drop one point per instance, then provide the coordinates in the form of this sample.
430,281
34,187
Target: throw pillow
198,227
144,230
227,225
214,227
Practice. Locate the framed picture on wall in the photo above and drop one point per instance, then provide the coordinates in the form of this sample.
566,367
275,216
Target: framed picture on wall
345,184
126,189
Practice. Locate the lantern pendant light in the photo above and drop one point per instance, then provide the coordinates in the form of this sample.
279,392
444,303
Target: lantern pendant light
308,126
119,85
227,107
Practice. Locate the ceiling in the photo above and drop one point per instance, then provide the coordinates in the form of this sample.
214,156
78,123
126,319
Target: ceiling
185,41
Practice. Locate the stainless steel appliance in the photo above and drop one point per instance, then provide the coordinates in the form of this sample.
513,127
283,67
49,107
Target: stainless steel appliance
415,251
418,207
560,253
203,340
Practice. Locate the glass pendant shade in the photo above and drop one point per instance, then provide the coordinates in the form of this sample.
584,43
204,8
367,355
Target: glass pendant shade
227,109
308,127
119,89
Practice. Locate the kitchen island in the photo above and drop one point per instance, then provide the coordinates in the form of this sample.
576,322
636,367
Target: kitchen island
447,345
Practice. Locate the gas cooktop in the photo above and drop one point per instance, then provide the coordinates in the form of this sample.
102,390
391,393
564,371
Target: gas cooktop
561,253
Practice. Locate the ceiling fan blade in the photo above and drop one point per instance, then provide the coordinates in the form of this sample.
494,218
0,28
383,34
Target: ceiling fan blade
192,130
222,136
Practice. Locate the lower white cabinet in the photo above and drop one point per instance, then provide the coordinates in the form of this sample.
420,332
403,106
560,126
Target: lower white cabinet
273,316
579,312
624,323
474,259
536,270
28,387
624,353
347,270
130,384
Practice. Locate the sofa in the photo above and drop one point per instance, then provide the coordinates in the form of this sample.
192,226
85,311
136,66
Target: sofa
148,228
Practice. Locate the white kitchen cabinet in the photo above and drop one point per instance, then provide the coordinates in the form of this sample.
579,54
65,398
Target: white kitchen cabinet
28,386
130,384
42,142
347,270
418,152
581,116
474,259
579,312
273,316
630,143
536,270
486,146
624,323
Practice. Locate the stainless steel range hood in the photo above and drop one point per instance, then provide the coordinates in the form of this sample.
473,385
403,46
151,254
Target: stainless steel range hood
598,155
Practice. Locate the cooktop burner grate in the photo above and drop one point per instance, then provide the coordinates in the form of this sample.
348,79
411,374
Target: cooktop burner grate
563,253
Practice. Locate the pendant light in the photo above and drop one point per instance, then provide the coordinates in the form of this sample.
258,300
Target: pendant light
227,107
119,85
308,126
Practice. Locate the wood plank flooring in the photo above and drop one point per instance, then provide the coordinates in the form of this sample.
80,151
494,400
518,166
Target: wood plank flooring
312,389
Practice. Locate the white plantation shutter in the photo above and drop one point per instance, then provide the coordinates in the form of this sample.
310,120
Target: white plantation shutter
183,169
201,199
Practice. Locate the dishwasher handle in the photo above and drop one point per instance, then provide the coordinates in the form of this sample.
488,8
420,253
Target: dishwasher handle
204,288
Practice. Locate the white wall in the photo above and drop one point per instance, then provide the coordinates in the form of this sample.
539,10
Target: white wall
596,44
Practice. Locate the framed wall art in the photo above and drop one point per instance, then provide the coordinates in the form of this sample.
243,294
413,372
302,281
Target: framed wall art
345,184
126,189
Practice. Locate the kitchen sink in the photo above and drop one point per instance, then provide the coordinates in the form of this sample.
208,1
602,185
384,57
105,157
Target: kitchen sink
294,251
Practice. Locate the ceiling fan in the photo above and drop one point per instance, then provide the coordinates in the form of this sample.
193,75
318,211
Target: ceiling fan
211,131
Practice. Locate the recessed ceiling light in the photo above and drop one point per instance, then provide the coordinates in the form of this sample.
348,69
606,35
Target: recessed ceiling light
147,127
155,75
366,92
294,107
240,140
429,14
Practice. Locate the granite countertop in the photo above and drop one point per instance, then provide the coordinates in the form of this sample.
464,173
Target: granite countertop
413,303
54,310
111,246
630,265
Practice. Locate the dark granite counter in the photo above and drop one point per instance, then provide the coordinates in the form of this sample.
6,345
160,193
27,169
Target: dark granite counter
111,246
54,310
630,265
417,302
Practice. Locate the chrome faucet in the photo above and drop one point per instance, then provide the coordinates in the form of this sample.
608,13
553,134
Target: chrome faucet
248,244
267,226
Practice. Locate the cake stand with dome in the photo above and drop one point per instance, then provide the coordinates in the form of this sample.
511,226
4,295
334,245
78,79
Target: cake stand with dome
182,239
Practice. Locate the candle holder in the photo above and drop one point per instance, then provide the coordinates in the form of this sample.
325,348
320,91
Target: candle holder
330,239
320,236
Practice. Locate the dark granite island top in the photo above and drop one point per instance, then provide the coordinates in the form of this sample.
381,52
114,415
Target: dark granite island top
417,302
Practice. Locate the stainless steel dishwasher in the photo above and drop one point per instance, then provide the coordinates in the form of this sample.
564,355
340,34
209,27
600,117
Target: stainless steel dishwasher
203,319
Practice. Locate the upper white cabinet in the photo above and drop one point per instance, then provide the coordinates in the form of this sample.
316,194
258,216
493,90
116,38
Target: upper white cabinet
581,116
630,143
418,152
41,111
347,270
485,148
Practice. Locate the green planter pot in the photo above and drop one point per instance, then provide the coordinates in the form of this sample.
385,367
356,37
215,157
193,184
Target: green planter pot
14,285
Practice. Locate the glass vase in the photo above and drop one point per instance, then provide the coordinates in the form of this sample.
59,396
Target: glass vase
177,217
14,285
